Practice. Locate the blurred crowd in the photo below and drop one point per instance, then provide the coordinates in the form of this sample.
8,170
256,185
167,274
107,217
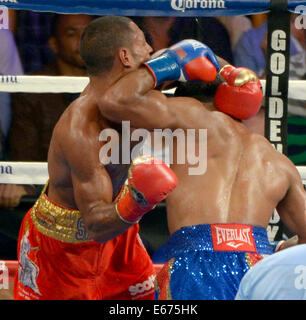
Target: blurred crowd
48,44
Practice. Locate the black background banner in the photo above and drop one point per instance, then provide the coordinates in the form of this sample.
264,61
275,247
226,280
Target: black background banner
276,96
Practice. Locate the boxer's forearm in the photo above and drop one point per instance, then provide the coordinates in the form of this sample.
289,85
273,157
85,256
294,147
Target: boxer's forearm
103,224
132,85
121,99
131,97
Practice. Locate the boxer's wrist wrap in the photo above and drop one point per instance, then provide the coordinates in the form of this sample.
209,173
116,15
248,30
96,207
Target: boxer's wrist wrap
122,219
164,68
128,210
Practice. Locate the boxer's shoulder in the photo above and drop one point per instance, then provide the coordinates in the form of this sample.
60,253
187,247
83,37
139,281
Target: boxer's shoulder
80,117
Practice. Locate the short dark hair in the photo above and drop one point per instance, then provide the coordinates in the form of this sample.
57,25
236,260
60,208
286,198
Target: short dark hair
100,41
203,91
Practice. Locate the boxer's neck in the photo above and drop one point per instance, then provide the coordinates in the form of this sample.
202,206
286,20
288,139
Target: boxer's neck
104,80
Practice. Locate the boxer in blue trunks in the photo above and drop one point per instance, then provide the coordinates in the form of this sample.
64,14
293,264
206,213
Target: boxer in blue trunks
217,219
219,233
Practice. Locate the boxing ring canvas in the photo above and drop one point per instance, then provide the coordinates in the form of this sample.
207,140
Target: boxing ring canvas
36,173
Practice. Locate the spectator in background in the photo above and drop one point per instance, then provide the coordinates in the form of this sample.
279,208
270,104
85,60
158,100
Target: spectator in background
162,32
35,115
9,65
250,52
236,26
32,30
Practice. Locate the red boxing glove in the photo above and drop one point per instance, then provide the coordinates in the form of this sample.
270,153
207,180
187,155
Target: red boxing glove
241,95
149,182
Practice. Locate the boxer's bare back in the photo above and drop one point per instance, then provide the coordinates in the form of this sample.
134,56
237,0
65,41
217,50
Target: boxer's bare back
245,179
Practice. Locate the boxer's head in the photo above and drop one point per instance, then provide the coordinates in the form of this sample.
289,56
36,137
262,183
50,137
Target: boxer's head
113,41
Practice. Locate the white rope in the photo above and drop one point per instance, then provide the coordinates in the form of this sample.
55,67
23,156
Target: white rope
44,84
23,172
37,172
296,89
302,172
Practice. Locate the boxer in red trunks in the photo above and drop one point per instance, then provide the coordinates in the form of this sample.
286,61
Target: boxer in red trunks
80,240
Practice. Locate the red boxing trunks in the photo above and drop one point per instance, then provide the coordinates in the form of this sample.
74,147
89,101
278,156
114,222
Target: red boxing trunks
56,260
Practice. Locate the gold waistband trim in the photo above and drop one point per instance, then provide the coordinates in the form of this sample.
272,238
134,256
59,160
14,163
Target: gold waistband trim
60,223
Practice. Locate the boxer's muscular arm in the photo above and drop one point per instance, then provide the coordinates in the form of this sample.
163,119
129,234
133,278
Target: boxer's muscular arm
133,98
292,208
91,192
92,186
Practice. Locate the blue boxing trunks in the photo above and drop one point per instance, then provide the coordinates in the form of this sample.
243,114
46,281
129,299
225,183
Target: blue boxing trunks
208,261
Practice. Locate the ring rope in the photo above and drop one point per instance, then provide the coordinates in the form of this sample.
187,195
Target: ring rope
59,84
37,172
12,172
